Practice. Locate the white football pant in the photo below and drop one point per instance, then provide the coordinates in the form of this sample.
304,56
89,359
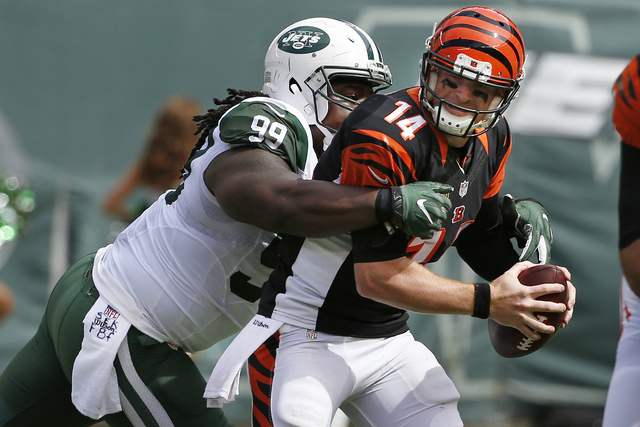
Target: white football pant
377,382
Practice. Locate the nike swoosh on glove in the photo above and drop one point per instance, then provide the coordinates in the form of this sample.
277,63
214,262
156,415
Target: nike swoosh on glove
528,221
425,206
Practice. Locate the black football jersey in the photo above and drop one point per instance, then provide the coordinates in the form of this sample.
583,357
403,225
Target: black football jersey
384,142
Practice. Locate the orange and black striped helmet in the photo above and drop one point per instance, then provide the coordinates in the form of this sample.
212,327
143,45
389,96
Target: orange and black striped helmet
626,92
481,44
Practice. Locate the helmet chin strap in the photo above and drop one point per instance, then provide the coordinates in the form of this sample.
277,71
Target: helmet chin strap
328,136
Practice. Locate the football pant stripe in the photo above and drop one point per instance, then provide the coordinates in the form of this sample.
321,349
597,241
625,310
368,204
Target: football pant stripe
139,404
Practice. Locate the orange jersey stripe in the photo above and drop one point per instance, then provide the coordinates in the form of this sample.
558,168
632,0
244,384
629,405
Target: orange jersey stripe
356,172
414,93
498,178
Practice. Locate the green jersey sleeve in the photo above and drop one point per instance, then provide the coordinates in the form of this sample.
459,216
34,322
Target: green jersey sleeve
270,126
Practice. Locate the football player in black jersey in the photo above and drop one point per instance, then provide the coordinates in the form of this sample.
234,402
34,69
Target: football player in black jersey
340,304
621,409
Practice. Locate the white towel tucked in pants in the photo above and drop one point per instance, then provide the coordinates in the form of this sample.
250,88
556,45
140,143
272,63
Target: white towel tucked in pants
94,385
223,385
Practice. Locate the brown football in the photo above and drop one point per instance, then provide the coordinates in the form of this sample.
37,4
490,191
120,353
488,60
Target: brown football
510,342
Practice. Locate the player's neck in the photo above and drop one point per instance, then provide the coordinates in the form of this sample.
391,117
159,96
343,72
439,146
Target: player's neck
455,141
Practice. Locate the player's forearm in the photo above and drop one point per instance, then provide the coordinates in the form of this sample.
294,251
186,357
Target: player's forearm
309,208
258,188
322,209
406,284
630,263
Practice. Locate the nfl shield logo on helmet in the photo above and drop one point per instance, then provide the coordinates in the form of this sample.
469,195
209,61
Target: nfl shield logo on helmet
464,187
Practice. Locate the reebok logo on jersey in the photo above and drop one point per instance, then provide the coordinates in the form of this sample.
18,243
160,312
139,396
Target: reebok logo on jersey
384,181
303,39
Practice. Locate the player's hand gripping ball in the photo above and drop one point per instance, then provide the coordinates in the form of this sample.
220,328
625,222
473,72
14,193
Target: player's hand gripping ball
510,342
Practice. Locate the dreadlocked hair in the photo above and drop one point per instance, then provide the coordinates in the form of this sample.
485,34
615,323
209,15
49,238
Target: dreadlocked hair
208,121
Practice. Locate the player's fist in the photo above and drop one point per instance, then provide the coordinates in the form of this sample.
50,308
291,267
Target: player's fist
424,207
528,222
510,342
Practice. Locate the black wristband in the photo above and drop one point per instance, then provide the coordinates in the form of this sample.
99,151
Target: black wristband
384,205
482,300
396,202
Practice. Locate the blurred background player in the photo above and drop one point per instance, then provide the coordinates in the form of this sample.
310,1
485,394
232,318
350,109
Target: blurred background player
339,304
168,147
184,275
621,408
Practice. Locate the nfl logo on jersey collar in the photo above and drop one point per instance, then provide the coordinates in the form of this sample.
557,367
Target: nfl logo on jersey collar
464,186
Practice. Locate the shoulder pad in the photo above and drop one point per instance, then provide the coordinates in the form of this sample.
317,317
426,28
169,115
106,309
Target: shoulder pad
269,125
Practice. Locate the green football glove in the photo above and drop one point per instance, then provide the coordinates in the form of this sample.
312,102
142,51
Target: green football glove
528,222
421,206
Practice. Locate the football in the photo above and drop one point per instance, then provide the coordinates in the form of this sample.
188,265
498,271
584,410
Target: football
510,342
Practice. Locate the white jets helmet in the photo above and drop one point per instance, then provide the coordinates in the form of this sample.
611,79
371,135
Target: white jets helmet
305,56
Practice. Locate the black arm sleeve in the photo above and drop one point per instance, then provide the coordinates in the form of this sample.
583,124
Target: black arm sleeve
485,245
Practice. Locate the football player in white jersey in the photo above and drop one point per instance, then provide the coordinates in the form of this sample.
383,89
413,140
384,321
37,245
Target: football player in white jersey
185,274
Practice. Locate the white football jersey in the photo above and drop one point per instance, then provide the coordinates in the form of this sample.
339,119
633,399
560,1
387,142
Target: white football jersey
194,273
